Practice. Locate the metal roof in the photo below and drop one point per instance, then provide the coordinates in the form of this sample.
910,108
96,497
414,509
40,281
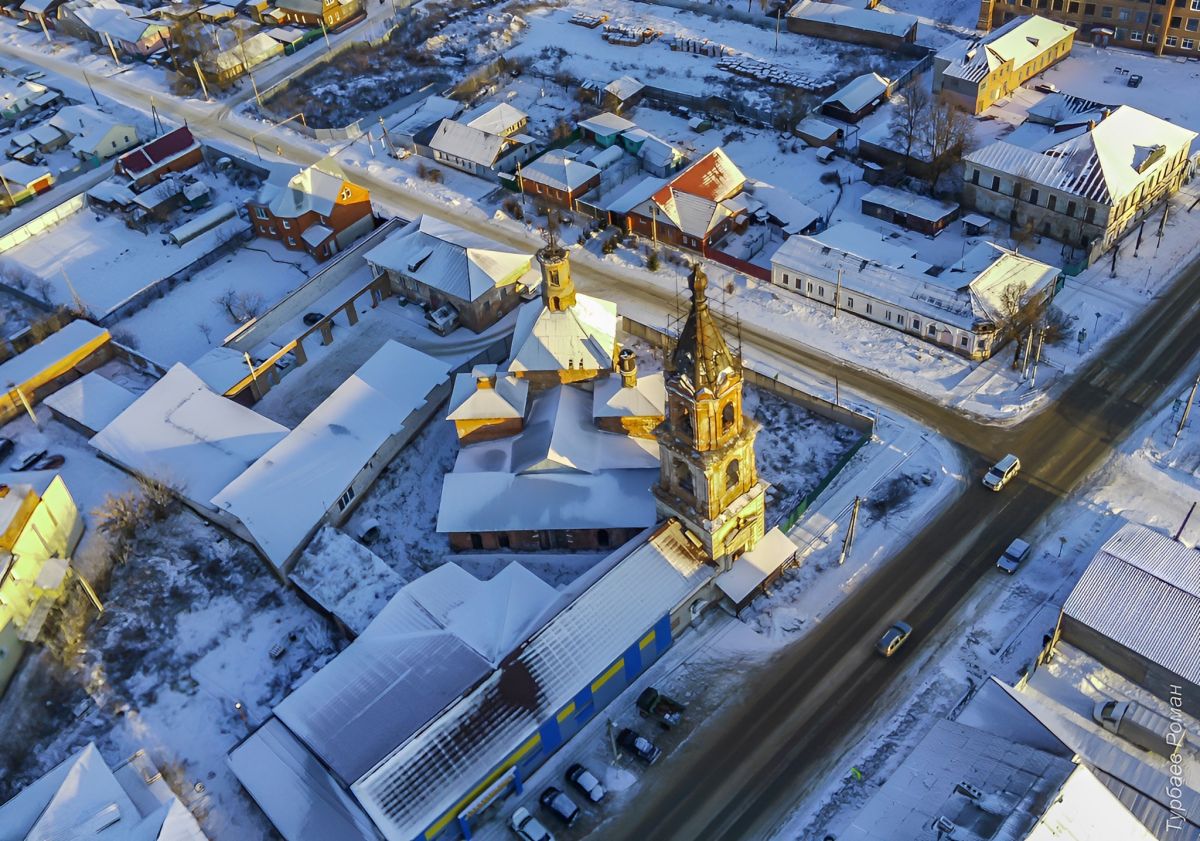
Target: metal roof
425,778
1020,41
1139,585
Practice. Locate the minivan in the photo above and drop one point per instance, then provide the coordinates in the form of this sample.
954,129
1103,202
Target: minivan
1002,472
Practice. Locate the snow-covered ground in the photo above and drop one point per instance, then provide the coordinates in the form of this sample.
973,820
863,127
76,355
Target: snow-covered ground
1153,479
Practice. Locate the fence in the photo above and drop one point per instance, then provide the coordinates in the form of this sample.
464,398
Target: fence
787,521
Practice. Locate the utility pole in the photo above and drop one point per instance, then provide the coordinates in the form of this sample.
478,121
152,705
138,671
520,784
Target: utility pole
1187,410
91,90
387,138
654,224
1037,357
1183,525
778,21
1113,271
837,295
89,590
42,20
837,392
1028,350
112,49
1162,224
154,116
325,32
849,541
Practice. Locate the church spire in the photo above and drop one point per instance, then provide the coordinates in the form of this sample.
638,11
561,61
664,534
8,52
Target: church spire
701,355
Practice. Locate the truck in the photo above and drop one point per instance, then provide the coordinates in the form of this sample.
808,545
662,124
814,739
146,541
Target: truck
653,704
1139,726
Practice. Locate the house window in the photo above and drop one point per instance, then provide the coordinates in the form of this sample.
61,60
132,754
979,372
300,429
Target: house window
1070,208
1122,14
932,331
1172,41
476,540
602,538
260,212
996,183
810,287
899,321
962,342
974,176
1089,215
888,315
1106,11
287,226
1188,43
1135,35
1033,196
345,499
291,240
868,309
1196,5
727,417
1051,202
850,303
917,324
785,279
821,291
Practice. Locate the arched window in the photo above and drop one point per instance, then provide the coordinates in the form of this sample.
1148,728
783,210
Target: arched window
554,304
732,474
727,417
685,477
685,421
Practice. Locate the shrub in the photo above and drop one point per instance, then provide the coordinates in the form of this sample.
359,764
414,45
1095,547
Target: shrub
652,262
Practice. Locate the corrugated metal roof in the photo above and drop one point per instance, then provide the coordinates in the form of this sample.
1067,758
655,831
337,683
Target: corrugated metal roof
1021,40
426,777
1142,590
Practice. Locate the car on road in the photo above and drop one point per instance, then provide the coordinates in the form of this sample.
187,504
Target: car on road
893,638
1134,80
1046,87
639,746
1002,472
1013,556
587,783
556,802
527,827
6,447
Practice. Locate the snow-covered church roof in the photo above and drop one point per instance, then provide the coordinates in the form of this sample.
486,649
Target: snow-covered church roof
581,336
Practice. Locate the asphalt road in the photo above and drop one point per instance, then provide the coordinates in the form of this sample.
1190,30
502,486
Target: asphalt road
740,775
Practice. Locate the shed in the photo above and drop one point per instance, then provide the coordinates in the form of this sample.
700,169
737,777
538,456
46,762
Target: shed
817,132
857,99
35,372
757,569
919,213
90,403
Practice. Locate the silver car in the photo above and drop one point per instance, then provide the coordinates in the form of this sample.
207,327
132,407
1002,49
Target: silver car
893,638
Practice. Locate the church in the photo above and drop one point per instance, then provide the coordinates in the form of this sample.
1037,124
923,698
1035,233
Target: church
567,447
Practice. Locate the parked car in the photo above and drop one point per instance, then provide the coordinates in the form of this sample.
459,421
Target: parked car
311,318
639,746
527,827
653,704
587,783
556,802
1002,472
893,638
6,447
1013,556
1134,80
26,461
1046,87
443,320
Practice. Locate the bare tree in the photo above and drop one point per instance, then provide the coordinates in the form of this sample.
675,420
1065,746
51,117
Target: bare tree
948,131
909,119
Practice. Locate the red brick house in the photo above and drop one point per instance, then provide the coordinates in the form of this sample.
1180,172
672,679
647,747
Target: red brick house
317,210
557,178
174,151
696,207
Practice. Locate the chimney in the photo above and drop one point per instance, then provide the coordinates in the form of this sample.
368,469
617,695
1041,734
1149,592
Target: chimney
627,365
485,376
1105,113
1091,125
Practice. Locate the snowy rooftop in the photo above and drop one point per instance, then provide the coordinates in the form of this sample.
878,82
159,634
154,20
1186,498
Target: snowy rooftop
469,143
867,20
1139,584
1018,783
1062,694
82,797
559,170
181,433
581,336
50,352
560,472
93,401
606,123
424,778
435,639
870,244
345,578
451,259
965,294
1104,165
283,495
505,395
911,204
860,92
312,189
1021,40
754,567
645,399
426,113
494,118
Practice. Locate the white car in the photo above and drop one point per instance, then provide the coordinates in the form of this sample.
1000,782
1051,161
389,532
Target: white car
528,827
586,782
1013,556
1002,472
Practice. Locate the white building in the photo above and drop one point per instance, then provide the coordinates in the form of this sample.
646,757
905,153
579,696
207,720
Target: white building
959,309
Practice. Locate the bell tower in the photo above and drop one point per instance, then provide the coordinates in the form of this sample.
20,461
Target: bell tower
558,290
708,479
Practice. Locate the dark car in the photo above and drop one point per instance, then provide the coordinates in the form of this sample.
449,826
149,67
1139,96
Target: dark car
556,802
639,746
312,318
1134,80
6,447
26,461
587,783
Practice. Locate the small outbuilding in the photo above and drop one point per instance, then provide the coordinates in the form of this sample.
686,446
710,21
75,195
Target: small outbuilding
857,99
919,213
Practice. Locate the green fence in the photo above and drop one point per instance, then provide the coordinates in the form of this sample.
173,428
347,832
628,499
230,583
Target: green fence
787,521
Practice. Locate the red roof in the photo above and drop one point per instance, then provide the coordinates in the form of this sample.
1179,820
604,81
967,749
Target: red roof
158,150
713,177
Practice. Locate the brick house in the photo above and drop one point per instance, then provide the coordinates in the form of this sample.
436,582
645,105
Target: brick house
316,211
174,151
331,13
1160,28
432,263
695,208
557,178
